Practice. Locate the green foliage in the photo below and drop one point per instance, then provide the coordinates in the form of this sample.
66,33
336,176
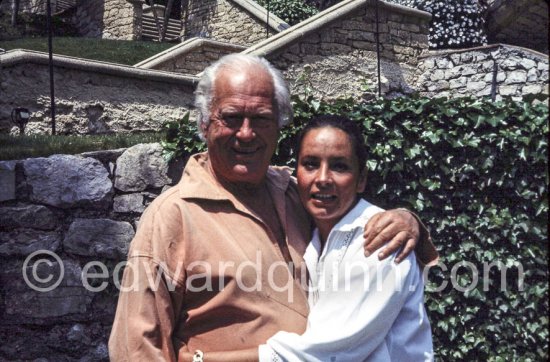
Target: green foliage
18,147
181,139
476,172
107,50
291,11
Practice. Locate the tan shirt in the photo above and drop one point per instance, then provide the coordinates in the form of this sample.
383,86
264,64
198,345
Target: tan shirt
223,283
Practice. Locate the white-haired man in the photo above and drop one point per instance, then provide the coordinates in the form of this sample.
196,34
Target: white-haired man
216,263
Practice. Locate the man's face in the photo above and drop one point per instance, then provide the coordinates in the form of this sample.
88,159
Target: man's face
243,131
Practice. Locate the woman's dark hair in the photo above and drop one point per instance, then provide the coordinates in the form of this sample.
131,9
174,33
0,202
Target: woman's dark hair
351,128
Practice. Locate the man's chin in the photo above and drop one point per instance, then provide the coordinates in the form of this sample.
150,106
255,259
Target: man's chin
248,173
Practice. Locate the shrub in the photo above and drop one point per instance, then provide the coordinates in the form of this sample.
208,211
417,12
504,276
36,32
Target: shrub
454,24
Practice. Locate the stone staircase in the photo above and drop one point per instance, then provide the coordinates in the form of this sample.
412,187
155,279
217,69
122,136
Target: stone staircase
62,5
149,27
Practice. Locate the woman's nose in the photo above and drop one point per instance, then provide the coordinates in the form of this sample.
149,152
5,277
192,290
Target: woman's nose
323,176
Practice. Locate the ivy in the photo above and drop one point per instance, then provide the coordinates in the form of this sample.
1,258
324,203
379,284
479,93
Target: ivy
476,173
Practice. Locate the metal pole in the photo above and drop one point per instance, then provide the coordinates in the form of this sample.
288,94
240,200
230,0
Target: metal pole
494,81
267,22
378,52
52,96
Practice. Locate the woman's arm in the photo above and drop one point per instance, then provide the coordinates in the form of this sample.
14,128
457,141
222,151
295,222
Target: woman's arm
352,322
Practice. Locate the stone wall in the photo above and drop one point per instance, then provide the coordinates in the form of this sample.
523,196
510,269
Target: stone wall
338,50
122,20
225,21
190,57
470,72
78,214
91,97
109,19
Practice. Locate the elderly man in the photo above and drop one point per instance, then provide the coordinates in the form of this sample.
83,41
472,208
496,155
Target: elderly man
216,263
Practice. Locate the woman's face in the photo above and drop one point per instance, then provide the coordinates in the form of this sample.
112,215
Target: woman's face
329,176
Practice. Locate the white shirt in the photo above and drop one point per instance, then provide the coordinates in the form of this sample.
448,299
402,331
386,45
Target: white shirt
362,309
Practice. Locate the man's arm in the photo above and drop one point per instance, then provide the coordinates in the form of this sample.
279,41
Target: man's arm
144,318
149,299
399,229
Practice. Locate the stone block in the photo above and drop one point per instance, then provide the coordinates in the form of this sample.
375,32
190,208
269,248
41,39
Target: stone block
23,242
443,63
457,83
25,301
501,77
507,90
141,166
475,87
364,45
438,74
510,63
527,63
7,180
68,181
517,76
439,85
99,238
532,75
532,89
128,203
484,92
28,216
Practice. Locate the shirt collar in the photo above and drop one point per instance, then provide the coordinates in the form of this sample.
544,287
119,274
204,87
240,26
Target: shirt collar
355,218
198,182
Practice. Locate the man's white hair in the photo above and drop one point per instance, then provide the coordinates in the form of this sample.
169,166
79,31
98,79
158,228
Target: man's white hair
205,88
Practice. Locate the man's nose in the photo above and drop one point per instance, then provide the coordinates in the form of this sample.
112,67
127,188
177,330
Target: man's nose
246,131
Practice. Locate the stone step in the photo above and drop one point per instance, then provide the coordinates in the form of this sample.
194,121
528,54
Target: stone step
64,5
170,27
172,23
153,28
149,28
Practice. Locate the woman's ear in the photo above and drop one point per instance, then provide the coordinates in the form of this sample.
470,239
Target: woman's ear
362,183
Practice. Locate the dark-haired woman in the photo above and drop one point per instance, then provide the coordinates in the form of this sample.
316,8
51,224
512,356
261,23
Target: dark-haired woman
361,309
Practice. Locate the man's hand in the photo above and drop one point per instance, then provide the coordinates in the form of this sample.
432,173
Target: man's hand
398,228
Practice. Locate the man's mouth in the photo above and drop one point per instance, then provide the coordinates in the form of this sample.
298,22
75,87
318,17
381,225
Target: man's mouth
323,197
245,151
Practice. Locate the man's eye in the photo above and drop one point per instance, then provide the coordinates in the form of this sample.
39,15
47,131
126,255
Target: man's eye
231,120
263,121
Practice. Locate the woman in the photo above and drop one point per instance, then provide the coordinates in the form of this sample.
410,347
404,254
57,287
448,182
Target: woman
360,308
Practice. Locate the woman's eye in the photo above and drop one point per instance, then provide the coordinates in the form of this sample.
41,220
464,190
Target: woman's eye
309,165
340,167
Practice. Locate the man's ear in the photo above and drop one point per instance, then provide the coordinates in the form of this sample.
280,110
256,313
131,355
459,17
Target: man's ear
204,129
362,183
